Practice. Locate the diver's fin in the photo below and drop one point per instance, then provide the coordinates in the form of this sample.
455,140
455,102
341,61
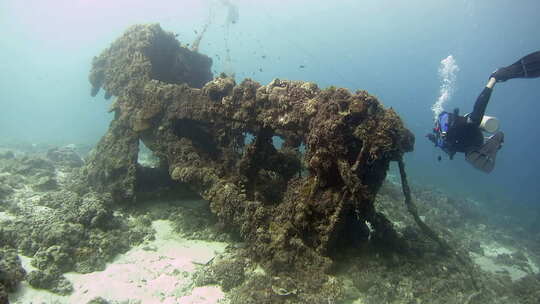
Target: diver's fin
531,65
483,159
526,67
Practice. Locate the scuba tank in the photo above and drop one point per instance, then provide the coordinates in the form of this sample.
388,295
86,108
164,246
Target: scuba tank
489,124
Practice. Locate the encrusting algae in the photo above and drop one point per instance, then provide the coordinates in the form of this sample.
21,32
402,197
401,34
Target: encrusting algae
293,208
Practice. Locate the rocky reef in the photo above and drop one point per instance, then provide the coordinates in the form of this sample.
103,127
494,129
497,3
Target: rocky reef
56,221
291,168
11,272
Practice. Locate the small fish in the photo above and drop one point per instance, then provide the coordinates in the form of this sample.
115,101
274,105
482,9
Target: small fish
439,158
302,66
260,69
263,56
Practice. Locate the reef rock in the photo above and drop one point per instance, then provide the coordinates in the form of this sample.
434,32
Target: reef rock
50,279
11,272
65,156
293,168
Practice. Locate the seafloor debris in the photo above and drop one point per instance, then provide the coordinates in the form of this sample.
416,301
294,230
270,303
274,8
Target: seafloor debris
295,205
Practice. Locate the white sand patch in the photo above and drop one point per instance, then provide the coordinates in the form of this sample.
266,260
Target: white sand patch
159,271
4,216
488,264
487,261
534,266
61,176
494,249
358,301
203,295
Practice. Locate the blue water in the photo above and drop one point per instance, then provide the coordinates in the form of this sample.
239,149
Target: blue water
391,48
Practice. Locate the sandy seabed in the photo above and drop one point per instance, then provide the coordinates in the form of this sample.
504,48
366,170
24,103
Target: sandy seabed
159,271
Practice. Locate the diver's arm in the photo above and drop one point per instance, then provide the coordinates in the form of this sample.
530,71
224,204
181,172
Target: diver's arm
481,103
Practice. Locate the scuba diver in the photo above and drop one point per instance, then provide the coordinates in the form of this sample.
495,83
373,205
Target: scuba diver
454,133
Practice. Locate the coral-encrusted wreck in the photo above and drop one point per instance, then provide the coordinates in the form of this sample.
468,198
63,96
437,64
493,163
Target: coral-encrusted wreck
293,204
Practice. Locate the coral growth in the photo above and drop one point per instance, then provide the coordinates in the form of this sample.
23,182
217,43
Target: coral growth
62,228
11,272
294,205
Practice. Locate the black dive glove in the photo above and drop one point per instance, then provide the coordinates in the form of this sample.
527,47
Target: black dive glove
501,74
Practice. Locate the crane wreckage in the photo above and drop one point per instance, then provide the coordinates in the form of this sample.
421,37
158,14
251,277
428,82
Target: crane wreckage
296,204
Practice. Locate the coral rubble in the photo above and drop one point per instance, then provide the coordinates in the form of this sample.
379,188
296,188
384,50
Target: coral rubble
295,204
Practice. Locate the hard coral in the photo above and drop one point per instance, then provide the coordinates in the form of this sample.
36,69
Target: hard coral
11,271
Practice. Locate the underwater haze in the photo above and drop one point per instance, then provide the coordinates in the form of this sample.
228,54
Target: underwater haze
393,49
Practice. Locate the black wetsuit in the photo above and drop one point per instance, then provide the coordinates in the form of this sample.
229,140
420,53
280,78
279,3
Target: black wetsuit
464,133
